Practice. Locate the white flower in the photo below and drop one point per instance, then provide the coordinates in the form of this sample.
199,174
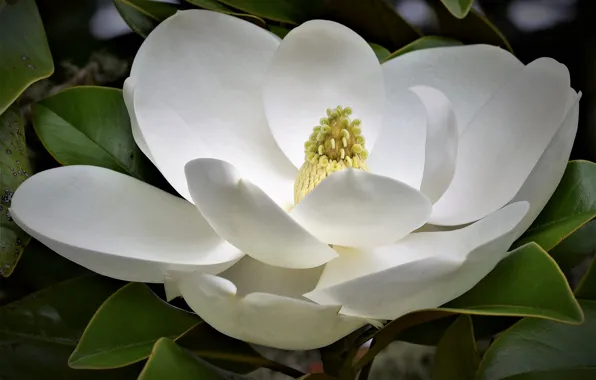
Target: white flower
223,108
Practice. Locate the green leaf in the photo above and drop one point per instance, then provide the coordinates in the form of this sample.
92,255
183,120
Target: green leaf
38,332
213,5
14,169
457,356
279,31
228,353
90,126
289,11
125,327
380,52
473,29
516,287
587,286
25,55
426,42
458,8
526,283
375,20
170,361
534,345
572,205
144,15
561,374
573,250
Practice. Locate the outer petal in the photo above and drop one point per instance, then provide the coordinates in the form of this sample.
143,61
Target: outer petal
197,84
128,92
423,270
546,175
245,216
358,209
263,318
318,65
118,226
504,142
467,75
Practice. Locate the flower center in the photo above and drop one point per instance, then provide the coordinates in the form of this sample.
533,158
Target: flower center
334,145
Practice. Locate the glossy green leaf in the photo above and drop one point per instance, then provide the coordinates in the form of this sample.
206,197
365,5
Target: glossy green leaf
212,5
516,287
375,20
575,248
426,42
279,31
560,374
473,29
215,6
289,11
534,345
572,205
38,332
170,361
457,356
458,8
228,353
25,55
90,126
587,286
380,52
14,169
144,15
526,283
38,268
125,327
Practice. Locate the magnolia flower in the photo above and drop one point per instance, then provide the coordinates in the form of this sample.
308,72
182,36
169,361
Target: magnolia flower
312,176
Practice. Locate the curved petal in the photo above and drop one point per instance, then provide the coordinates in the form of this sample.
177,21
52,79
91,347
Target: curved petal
252,276
319,65
441,142
504,142
263,318
423,270
118,226
400,149
358,209
546,175
197,84
128,92
467,75
244,215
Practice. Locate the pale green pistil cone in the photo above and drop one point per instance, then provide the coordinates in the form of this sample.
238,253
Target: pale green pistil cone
334,145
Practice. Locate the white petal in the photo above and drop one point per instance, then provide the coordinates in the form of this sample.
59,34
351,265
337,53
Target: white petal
263,318
128,92
546,175
197,93
504,142
441,142
118,226
400,149
244,215
467,75
320,65
358,209
423,270
252,276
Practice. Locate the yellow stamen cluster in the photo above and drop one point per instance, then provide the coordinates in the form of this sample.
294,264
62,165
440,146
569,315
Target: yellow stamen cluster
336,144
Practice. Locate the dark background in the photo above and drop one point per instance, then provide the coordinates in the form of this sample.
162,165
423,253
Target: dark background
562,29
